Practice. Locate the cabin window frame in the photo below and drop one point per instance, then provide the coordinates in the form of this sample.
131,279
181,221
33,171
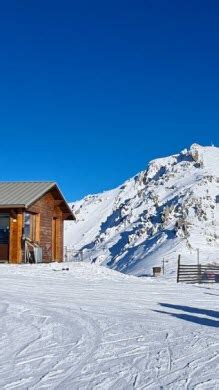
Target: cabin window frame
32,224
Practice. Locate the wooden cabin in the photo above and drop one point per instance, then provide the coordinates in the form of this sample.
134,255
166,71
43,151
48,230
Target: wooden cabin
32,216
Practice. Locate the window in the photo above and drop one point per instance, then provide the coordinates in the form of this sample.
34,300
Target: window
4,228
30,226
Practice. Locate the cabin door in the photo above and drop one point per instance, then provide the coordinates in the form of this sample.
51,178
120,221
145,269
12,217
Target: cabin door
4,236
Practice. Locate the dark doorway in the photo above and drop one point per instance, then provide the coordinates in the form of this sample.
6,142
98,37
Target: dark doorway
4,236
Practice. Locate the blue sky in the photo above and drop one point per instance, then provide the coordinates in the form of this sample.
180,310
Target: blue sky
90,91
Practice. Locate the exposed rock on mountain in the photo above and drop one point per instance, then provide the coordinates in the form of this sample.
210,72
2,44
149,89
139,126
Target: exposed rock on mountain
170,208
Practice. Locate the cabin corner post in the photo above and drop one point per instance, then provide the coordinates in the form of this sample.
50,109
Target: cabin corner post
20,231
15,246
60,239
57,239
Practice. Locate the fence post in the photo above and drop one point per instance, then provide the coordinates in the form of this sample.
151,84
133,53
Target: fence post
178,267
197,256
199,273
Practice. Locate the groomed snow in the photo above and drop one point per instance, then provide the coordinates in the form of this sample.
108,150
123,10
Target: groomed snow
93,328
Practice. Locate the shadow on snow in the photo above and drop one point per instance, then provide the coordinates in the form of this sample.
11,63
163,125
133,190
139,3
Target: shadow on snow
213,322
131,256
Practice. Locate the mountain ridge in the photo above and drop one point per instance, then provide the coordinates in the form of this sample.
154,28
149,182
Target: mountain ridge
167,209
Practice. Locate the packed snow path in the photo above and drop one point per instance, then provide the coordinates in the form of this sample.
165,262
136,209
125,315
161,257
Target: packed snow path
93,328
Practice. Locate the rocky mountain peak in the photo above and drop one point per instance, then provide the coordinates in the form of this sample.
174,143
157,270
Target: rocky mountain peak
169,208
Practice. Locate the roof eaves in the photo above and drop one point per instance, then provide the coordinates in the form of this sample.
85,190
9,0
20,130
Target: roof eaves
70,210
12,206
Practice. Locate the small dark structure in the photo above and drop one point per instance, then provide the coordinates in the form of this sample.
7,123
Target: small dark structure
156,271
32,217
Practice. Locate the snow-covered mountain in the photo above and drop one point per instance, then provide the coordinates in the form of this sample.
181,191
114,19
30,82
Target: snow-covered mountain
170,208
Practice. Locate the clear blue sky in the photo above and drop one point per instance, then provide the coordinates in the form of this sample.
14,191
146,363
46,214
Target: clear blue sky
90,91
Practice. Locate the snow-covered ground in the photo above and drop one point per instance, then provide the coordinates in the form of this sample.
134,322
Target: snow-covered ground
93,328
170,208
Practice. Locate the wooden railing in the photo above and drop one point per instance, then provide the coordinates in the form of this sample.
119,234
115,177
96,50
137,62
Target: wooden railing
197,273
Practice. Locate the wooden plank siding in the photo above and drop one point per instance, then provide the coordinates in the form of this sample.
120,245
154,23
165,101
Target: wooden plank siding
46,209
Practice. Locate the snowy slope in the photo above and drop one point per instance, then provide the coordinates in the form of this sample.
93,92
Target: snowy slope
94,328
168,209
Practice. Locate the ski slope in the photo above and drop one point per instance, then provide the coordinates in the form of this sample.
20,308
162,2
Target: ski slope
94,328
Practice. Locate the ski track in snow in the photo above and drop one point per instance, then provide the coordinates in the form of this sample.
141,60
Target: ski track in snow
93,328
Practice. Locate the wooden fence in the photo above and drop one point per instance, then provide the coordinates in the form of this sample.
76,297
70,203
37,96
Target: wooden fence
197,273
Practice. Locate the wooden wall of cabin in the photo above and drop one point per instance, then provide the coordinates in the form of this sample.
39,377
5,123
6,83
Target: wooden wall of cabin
47,208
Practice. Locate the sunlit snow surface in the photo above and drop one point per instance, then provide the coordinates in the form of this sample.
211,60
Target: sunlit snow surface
167,210
93,328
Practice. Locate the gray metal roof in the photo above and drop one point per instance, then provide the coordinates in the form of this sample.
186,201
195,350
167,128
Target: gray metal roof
22,194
